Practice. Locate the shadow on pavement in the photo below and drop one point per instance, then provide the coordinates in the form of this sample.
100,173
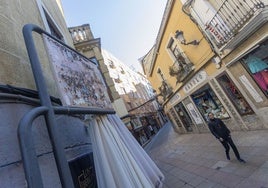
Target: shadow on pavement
161,137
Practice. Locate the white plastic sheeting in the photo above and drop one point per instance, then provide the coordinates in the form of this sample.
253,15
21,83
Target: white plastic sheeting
120,162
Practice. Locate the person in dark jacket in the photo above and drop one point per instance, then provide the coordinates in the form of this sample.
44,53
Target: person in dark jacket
222,133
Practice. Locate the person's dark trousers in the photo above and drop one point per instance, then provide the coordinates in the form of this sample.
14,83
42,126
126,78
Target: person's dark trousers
226,142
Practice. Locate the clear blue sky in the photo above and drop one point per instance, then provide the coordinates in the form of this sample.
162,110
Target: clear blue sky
127,28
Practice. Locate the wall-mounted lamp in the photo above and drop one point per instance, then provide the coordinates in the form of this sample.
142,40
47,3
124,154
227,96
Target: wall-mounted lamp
180,37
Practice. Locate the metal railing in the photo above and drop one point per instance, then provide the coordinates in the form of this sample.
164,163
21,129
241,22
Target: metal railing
30,162
230,17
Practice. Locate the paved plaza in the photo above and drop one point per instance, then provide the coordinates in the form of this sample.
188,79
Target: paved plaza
198,160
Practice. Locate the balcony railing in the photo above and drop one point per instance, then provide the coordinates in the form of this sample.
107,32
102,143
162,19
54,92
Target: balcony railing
79,34
230,17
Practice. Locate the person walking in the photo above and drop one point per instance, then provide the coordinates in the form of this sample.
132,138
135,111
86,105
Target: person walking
222,133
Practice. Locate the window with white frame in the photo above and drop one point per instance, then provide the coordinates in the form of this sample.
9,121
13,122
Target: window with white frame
54,31
182,65
173,48
50,24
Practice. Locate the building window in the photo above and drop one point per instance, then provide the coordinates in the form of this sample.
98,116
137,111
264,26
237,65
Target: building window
234,95
161,75
206,102
122,70
52,27
181,66
257,65
111,64
94,59
118,79
174,49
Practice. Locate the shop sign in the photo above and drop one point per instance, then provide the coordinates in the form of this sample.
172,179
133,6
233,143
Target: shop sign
194,113
214,31
195,81
250,89
174,99
79,80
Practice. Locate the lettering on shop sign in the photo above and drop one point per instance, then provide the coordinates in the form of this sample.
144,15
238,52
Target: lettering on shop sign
194,113
250,88
196,80
215,33
174,99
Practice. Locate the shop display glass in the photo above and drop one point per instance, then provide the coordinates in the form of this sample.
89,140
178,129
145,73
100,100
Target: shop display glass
184,116
206,102
256,62
234,95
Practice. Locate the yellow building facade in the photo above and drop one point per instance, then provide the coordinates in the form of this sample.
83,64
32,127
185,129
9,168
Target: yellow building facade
196,67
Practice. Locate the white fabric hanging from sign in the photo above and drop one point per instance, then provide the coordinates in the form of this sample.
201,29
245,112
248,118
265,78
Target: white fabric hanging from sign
119,160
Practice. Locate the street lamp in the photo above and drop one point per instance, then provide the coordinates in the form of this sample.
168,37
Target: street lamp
180,37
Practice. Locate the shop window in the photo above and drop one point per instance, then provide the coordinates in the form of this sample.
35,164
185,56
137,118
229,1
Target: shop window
234,95
184,116
175,117
256,63
206,102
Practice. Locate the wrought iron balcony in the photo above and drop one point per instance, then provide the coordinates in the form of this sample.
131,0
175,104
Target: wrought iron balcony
180,70
230,18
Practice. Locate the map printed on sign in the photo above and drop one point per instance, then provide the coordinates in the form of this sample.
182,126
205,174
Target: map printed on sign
79,80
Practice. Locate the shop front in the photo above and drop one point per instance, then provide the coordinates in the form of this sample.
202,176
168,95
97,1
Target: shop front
206,101
184,116
256,63
250,72
237,93
220,94
213,97
184,112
